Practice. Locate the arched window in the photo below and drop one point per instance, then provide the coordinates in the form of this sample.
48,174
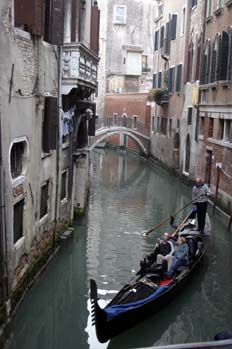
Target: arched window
190,62
229,77
187,155
204,79
198,58
224,53
124,120
115,119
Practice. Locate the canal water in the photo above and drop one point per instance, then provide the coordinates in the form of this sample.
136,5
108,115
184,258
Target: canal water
128,194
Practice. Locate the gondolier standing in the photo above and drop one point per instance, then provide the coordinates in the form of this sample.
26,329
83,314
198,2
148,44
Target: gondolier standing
200,194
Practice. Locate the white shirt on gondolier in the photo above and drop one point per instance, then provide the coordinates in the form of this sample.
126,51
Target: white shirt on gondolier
200,193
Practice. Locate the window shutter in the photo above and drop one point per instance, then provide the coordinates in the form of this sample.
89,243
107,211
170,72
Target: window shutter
208,63
203,69
197,71
179,78
167,39
162,37
50,124
173,27
154,84
213,64
218,65
159,79
29,13
95,26
54,22
171,74
229,77
224,56
156,40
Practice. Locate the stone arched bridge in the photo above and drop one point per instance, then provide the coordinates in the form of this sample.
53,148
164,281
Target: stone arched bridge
109,126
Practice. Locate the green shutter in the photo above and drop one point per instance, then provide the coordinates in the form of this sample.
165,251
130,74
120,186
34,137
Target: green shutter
224,56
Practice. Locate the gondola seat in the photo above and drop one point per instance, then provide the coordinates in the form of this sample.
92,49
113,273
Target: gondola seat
193,246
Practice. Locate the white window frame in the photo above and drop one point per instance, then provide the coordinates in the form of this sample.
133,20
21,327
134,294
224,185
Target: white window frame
116,21
208,14
183,21
220,4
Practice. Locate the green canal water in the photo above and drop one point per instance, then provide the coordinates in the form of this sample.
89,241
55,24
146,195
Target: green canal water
127,195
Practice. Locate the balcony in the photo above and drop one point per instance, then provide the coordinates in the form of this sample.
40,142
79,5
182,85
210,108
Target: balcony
159,95
79,67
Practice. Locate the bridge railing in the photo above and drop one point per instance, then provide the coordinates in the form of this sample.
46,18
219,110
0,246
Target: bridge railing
134,124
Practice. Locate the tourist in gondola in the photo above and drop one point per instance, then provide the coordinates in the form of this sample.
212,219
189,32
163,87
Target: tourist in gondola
165,250
180,256
200,194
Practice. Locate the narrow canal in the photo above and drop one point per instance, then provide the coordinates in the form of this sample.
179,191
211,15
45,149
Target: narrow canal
127,195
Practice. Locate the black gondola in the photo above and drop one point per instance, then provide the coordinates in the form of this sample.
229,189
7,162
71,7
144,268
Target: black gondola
150,290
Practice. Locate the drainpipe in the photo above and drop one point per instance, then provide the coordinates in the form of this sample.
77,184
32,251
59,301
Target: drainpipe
199,93
58,144
3,240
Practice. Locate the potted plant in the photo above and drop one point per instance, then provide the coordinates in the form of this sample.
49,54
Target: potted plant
158,95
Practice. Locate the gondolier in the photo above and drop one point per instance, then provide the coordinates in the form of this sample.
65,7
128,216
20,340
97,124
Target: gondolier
200,194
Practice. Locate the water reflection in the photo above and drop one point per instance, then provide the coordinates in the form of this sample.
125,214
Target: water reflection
127,196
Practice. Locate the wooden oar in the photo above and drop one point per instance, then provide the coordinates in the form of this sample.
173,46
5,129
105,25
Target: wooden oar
180,226
147,232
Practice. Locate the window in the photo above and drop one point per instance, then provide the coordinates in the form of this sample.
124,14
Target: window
179,78
64,186
163,126
202,126
193,3
18,158
135,118
211,126
173,27
228,131
170,128
171,77
221,129
134,63
159,79
156,45
115,116
160,10
153,123
205,64
162,37
154,83
183,21
44,200
224,56
50,125
158,124
167,39
18,220
54,22
190,113
120,15
28,15
209,8
144,64
220,3
190,63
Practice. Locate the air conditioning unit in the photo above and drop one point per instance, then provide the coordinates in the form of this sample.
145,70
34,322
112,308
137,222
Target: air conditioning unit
118,90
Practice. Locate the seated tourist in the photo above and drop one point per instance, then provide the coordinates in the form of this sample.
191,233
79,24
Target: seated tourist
179,257
165,250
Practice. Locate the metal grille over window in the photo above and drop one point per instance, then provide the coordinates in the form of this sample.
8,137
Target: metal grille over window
44,200
18,220
16,159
